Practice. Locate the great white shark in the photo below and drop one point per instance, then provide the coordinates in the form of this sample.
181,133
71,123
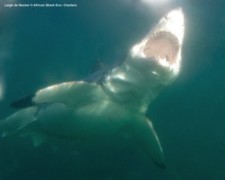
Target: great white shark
115,107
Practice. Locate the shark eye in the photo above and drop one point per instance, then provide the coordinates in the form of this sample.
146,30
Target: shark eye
162,45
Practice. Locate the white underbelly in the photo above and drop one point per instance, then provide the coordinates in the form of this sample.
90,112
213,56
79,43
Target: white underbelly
87,121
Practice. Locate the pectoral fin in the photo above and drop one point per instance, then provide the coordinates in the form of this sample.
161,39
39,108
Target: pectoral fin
17,121
145,135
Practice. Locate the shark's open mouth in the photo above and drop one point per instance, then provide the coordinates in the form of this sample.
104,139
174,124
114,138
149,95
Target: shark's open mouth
163,43
162,46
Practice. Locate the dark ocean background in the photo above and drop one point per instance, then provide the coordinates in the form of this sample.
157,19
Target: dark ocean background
44,46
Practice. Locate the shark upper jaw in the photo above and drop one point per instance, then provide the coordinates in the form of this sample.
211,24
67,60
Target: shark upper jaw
164,42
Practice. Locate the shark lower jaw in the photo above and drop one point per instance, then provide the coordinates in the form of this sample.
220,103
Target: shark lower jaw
164,42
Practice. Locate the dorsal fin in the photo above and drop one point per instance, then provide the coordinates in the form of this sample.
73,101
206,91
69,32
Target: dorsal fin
23,102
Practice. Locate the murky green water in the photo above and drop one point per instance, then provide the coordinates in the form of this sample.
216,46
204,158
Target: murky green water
42,46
